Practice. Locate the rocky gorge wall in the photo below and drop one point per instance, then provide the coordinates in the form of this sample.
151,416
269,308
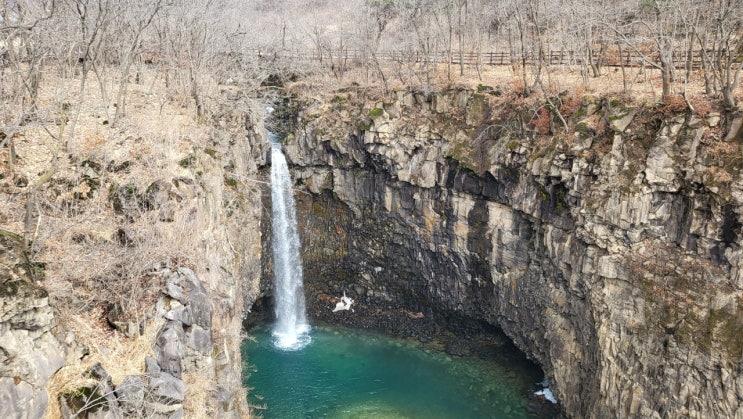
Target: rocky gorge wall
609,255
190,234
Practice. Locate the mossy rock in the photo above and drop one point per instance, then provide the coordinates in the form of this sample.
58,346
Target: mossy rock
580,113
481,88
543,194
376,113
21,289
724,331
15,265
477,109
460,152
288,139
83,400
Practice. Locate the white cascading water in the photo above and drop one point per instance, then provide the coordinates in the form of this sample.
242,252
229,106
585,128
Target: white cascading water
291,331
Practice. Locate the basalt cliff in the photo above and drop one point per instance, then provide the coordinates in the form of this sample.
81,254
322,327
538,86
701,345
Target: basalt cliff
610,252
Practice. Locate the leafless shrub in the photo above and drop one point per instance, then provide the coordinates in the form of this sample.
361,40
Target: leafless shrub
673,105
703,106
542,121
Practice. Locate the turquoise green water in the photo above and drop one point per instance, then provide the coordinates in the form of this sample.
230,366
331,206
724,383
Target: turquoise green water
349,374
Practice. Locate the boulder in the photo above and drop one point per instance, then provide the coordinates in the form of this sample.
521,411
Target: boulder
97,401
167,389
169,348
131,395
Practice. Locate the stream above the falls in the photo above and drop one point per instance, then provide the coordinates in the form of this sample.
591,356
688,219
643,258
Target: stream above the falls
348,373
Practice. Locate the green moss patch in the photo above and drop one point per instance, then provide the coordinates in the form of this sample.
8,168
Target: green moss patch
187,162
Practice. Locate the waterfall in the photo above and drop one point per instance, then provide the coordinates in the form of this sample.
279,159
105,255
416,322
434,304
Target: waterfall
291,331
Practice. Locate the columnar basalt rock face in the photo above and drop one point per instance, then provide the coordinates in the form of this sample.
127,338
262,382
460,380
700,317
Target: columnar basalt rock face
29,352
184,344
612,257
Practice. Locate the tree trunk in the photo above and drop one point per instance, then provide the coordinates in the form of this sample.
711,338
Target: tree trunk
731,82
460,36
666,81
195,95
666,67
621,66
449,49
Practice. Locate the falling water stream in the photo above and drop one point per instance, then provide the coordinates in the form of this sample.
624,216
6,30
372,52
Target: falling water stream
352,374
291,330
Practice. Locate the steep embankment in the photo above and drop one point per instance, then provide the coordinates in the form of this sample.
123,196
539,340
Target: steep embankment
145,249
610,255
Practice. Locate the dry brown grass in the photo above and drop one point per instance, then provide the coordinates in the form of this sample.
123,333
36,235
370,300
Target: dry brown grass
702,105
542,121
673,105
197,394
571,103
120,356
720,149
643,85
74,233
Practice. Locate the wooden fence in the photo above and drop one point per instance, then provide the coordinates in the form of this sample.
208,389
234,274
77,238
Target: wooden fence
561,57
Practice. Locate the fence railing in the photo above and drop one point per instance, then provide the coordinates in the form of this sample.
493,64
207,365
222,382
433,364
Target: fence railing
627,58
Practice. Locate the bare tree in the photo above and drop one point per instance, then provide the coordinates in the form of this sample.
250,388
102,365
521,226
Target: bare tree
22,54
417,41
133,18
191,42
659,25
585,34
93,20
462,15
725,24
370,25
